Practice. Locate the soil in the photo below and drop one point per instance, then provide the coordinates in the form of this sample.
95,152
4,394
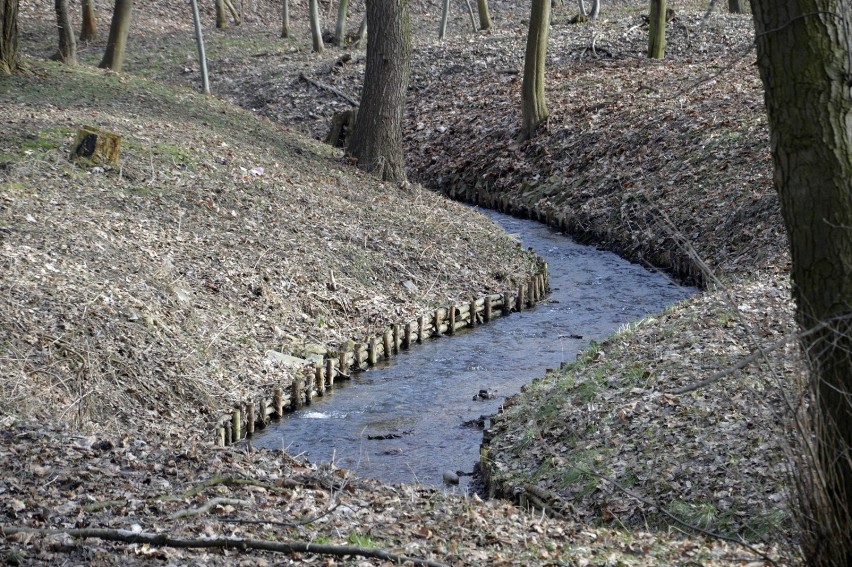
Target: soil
139,303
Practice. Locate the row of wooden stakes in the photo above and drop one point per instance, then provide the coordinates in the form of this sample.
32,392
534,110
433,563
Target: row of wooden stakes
317,379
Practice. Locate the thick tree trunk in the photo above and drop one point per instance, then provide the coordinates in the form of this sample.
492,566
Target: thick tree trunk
376,141
804,55
221,15
533,105
484,16
340,30
285,19
118,32
67,52
657,29
88,28
8,36
316,31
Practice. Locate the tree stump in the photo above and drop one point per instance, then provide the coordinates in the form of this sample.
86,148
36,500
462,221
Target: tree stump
95,146
342,124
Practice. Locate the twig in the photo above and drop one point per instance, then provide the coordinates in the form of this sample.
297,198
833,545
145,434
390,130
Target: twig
204,508
164,540
285,523
229,481
329,88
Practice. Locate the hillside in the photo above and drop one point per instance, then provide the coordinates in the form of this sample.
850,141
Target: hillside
139,304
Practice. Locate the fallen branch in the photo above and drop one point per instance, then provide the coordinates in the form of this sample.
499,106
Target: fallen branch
329,88
164,540
207,506
229,481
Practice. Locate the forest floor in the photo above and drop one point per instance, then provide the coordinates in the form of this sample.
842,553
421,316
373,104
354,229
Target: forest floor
139,303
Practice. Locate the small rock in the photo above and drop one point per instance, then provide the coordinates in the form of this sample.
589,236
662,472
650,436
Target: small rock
410,286
450,478
485,395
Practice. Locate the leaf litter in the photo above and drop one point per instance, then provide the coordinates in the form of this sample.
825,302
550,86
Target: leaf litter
196,255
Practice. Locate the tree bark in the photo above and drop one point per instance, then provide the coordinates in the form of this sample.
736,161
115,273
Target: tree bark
316,31
199,41
803,49
67,52
657,29
88,27
734,7
340,30
118,32
221,15
484,16
285,19
595,11
376,141
533,104
8,36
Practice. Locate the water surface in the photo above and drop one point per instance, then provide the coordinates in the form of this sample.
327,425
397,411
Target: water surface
423,398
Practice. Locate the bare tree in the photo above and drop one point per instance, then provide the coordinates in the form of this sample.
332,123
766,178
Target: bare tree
8,36
316,31
376,141
484,16
533,104
67,52
657,29
88,27
445,14
119,29
340,30
804,50
285,20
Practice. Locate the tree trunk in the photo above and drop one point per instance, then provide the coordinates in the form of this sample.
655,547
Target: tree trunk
445,13
340,30
362,32
118,32
316,31
67,52
376,141
484,16
595,11
285,20
8,36
234,13
88,28
734,7
533,105
202,54
803,49
472,17
221,15
657,29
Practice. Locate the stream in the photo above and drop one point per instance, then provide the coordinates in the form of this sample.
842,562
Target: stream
421,402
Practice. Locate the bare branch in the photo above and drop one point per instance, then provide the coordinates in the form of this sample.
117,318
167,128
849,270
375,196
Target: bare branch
164,540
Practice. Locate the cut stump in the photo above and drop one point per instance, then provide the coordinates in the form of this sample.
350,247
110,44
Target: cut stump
94,146
342,124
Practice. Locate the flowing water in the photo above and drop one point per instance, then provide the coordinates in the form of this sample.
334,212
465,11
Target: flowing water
417,407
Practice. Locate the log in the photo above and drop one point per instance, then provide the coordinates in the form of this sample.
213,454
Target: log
329,371
236,423
296,396
519,303
420,332
396,338
309,389
228,437
319,379
472,310
220,436
278,402
409,329
451,325
388,348
371,351
343,364
250,417
94,146
486,309
507,303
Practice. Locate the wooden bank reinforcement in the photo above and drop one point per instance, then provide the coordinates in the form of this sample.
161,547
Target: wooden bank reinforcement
315,380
